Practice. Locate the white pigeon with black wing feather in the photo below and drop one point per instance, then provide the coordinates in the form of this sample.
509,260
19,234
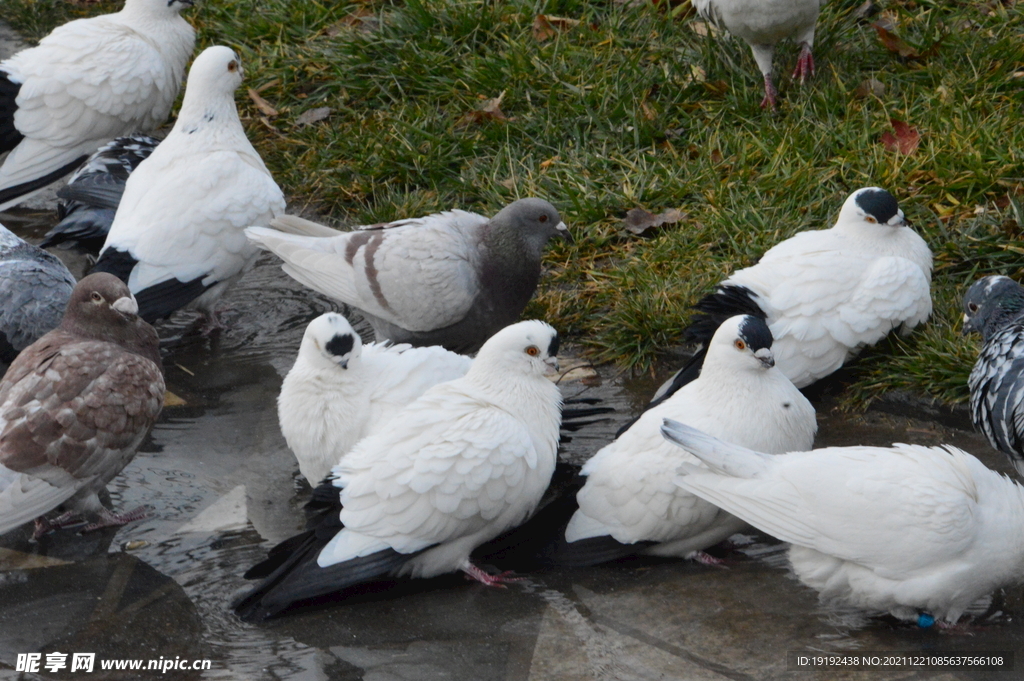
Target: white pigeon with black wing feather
451,279
825,294
75,406
629,504
764,23
178,238
918,532
87,82
34,290
89,200
466,461
994,307
340,390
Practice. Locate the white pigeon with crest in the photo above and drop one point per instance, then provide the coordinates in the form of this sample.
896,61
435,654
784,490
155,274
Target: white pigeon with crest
87,82
177,238
629,504
466,461
340,390
918,532
764,23
451,279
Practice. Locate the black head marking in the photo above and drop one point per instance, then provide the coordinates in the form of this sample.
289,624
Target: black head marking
878,203
339,346
553,346
755,333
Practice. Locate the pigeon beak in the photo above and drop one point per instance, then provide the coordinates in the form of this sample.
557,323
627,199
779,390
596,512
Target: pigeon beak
968,327
126,305
343,364
563,231
764,355
550,366
190,3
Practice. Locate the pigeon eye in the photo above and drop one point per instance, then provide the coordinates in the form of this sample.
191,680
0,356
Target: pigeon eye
232,65
96,297
533,351
973,307
543,218
740,345
871,219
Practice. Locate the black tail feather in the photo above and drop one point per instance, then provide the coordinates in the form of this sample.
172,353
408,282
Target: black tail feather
10,136
40,182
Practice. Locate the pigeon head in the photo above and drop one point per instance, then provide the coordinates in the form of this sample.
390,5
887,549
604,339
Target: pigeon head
9,240
529,347
743,340
217,70
157,7
330,341
990,303
535,220
102,308
874,206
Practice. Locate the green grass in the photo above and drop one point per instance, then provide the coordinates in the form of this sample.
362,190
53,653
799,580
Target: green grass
607,116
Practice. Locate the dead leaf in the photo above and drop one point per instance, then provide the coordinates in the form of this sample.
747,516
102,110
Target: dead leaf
268,85
716,88
865,10
172,400
490,111
638,220
544,165
869,87
897,45
263,105
696,75
547,27
311,116
648,112
906,139
362,19
716,156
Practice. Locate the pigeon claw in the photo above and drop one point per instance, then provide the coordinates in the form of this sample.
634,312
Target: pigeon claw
770,94
475,573
111,519
708,559
804,65
64,520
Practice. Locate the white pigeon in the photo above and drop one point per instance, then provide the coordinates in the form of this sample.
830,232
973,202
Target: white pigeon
466,461
177,238
451,279
629,503
339,390
918,532
87,82
826,293
764,23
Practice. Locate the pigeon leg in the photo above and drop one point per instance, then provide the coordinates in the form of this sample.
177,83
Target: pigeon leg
473,572
64,520
804,64
212,323
111,519
708,559
770,93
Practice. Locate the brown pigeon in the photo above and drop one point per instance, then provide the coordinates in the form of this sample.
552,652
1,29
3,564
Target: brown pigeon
74,407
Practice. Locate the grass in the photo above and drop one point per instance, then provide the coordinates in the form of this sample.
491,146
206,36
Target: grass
633,107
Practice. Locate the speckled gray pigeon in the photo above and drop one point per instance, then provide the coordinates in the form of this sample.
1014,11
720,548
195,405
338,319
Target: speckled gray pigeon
75,406
994,307
452,279
34,289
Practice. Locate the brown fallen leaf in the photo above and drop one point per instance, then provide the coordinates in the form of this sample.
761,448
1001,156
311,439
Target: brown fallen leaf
490,111
638,220
906,139
263,105
898,46
869,87
172,400
361,19
544,165
547,27
310,116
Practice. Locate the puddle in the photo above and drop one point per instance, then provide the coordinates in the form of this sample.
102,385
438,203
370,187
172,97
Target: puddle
224,487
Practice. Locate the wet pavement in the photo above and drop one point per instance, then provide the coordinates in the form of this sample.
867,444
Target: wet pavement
224,487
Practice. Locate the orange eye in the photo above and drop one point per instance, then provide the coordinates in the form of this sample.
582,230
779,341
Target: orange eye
740,345
533,351
96,297
871,219
232,65
543,218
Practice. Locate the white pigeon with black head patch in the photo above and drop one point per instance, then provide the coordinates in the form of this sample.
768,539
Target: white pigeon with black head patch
629,504
466,461
34,290
764,23
994,307
918,532
177,238
340,391
825,294
87,82
451,279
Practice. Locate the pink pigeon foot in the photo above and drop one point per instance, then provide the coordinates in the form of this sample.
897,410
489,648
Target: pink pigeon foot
111,519
708,559
961,628
804,65
64,520
473,572
770,93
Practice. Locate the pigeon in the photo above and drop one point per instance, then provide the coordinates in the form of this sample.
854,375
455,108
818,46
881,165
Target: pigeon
177,237
467,460
75,406
629,504
87,82
994,307
92,194
762,24
826,293
34,289
339,390
918,532
451,279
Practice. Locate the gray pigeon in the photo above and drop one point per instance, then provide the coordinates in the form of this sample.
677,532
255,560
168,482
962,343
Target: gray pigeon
34,289
452,279
994,307
75,406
